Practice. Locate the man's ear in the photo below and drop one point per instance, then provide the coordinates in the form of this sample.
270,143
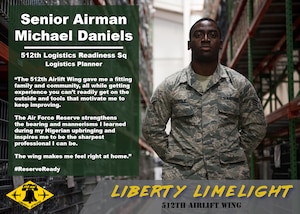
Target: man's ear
189,45
221,44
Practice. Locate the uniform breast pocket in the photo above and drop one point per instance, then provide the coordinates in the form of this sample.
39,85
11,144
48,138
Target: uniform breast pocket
228,108
182,109
233,157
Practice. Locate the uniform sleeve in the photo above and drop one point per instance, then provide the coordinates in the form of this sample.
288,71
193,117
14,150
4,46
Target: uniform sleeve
157,115
252,120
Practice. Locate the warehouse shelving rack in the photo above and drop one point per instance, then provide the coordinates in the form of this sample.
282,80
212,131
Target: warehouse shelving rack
263,43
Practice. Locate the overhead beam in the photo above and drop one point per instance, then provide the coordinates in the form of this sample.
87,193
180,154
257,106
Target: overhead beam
255,23
232,26
289,110
262,66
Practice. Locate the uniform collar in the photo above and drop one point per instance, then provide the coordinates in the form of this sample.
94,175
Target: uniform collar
189,76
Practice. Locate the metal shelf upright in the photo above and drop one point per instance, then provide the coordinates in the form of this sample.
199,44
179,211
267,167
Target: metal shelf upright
262,43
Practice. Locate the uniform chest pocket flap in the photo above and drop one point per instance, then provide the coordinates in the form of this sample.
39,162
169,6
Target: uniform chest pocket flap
233,157
181,109
228,105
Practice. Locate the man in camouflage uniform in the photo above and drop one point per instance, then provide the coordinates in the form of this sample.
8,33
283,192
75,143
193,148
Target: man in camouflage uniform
216,117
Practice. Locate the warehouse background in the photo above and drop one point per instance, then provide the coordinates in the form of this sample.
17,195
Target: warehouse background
261,41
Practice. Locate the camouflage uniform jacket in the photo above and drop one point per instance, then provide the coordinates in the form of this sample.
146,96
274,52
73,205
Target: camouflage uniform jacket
212,131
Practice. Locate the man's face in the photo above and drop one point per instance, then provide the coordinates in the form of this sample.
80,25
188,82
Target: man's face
205,42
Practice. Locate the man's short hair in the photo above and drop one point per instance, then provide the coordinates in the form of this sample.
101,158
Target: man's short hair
205,19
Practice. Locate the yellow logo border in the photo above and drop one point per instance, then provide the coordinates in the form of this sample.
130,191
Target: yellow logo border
29,195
